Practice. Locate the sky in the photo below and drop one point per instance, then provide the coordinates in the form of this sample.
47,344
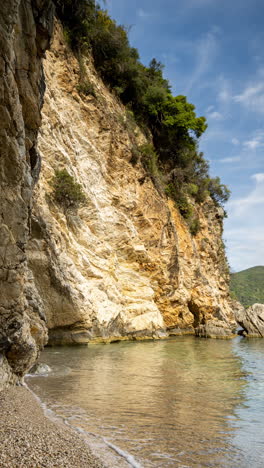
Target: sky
213,52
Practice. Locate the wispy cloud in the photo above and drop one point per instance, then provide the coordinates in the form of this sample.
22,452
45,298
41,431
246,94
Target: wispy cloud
235,141
245,247
255,197
257,141
244,228
224,93
215,115
258,177
206,50
252,97
232,159
144,14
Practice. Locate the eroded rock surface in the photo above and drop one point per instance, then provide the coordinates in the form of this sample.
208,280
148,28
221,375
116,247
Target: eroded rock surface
25,31
251,320
125,264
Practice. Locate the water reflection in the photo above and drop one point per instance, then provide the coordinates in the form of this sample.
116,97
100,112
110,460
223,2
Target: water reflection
249,423
168,403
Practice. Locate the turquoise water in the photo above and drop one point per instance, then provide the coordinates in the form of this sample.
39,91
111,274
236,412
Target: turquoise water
184,402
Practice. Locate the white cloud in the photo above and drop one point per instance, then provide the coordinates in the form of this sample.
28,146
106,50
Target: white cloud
235,141
256,142
243,206
245,247
258,177
215,115
252,97
252,144
244,227
230,160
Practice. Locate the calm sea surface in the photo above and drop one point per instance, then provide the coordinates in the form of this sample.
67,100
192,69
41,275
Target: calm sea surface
184,402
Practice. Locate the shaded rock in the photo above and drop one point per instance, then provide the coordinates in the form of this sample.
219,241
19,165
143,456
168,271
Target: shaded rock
215,329
25,31
40,369
251,320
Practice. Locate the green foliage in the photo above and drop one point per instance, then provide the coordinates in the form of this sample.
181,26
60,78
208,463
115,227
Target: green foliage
170,122
67,36
219,192
66,191
177,112
184,206
135,155
149,159
194,226
171,191
248,286
192,189
154,100
86,88
178,195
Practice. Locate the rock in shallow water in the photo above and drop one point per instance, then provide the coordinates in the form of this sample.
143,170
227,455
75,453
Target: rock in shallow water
40,368
252,320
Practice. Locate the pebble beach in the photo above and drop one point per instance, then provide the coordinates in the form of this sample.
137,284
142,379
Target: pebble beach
29,439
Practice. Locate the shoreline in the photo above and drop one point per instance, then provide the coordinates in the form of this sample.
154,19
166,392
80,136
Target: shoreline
30,439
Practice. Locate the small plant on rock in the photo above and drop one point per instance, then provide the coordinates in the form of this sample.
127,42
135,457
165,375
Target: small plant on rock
86,88
66,191
194,226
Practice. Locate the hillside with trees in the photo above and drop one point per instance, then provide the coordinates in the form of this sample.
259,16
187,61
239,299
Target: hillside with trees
248,286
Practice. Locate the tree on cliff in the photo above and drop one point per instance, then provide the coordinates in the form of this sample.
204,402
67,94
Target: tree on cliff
170,121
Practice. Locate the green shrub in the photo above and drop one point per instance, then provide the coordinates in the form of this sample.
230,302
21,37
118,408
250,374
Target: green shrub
149,159
194,226
66,191
192,189
219,192
67,36
184,206
135,155
171,191
86,88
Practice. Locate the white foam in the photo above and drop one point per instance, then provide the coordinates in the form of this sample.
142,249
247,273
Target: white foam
97,444
129,458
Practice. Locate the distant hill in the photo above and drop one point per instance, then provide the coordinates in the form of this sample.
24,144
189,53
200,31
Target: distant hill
248,285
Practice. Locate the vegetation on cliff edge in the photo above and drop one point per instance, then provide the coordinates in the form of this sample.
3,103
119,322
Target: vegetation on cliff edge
174,161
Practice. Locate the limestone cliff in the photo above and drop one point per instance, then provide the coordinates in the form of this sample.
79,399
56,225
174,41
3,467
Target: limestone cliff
125,264
25,30
122,266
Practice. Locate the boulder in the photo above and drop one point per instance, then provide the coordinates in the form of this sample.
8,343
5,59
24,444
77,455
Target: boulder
251,320
40,369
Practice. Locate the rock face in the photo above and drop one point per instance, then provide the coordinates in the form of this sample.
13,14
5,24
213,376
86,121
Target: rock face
25,31
251,320
125,264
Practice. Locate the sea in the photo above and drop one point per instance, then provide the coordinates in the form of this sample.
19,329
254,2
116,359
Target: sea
181,402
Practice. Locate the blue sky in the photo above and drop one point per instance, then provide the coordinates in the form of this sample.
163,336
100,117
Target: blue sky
213,52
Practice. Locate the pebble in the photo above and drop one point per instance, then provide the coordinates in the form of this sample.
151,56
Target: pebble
28,439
